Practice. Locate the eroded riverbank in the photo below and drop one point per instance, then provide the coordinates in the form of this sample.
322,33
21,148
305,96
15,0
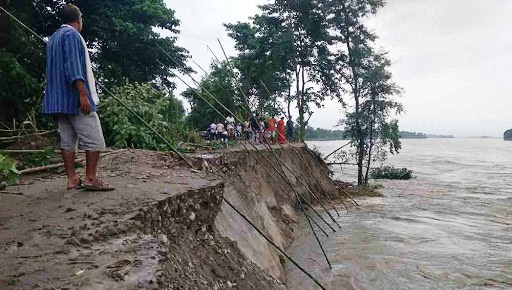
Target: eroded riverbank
165,226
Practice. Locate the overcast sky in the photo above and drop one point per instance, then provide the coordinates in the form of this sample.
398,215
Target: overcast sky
453,58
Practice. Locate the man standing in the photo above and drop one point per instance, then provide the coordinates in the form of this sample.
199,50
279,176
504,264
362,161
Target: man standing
289,128
230,126
71,97
255,127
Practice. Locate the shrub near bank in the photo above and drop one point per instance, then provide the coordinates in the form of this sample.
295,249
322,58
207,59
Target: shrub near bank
162,112
390,172
507,136
8,172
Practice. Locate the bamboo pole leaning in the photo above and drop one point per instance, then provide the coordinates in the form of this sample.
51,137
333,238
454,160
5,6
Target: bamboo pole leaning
252,145
298,195
275,246
286,179
278,171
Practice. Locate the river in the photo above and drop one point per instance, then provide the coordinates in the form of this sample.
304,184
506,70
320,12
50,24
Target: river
448,228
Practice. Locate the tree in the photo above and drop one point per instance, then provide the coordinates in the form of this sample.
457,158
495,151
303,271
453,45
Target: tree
364,74
261,63
323,134
292,34
221,85
21,65
507,135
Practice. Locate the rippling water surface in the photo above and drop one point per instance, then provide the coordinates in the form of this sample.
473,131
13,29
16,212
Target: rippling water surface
449,228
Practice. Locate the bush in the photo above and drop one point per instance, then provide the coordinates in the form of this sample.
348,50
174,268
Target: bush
390,172
163,113
507,135
8,171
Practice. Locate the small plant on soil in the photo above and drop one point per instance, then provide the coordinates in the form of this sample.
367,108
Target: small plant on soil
8,171
390,172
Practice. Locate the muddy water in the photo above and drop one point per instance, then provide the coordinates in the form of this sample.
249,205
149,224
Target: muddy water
450,228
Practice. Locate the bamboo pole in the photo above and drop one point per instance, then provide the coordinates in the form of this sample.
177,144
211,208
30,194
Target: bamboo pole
275,246
325,158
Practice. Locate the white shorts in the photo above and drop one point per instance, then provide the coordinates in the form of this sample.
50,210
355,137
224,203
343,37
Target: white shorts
83,128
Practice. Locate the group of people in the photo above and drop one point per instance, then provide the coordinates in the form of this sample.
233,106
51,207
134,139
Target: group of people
256,129
224,131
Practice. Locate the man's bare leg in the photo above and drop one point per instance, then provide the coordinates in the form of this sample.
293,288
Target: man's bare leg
92,158
69,164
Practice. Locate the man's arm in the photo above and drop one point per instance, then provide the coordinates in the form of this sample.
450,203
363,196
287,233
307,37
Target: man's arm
82,93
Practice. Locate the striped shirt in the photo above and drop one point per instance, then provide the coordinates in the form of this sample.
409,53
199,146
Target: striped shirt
65,64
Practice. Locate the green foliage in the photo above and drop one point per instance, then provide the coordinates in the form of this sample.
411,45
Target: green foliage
38,159
121,35
122,129
507,135
390,172
412,135
8,171
323,134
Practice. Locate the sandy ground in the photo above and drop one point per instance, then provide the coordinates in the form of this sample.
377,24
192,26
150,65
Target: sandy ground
51,237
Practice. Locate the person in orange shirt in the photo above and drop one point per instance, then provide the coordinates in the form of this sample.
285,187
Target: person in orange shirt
272,128
280,130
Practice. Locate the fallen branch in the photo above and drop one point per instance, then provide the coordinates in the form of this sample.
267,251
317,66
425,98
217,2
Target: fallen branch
46,167
325,158
341,163
10,192
13,138
53,166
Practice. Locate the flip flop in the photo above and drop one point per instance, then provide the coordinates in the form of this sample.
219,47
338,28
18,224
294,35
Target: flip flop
98,185
80,185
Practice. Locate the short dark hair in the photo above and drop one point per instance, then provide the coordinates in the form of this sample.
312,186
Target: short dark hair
70,13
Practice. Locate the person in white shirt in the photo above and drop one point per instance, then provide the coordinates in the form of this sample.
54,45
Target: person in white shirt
238,131
230,126
221,132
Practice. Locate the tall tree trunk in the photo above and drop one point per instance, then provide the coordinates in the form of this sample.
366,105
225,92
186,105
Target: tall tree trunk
370,150
355,90
289,100
299,104
303,102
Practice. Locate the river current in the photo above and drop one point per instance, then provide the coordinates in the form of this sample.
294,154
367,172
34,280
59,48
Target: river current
448,228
